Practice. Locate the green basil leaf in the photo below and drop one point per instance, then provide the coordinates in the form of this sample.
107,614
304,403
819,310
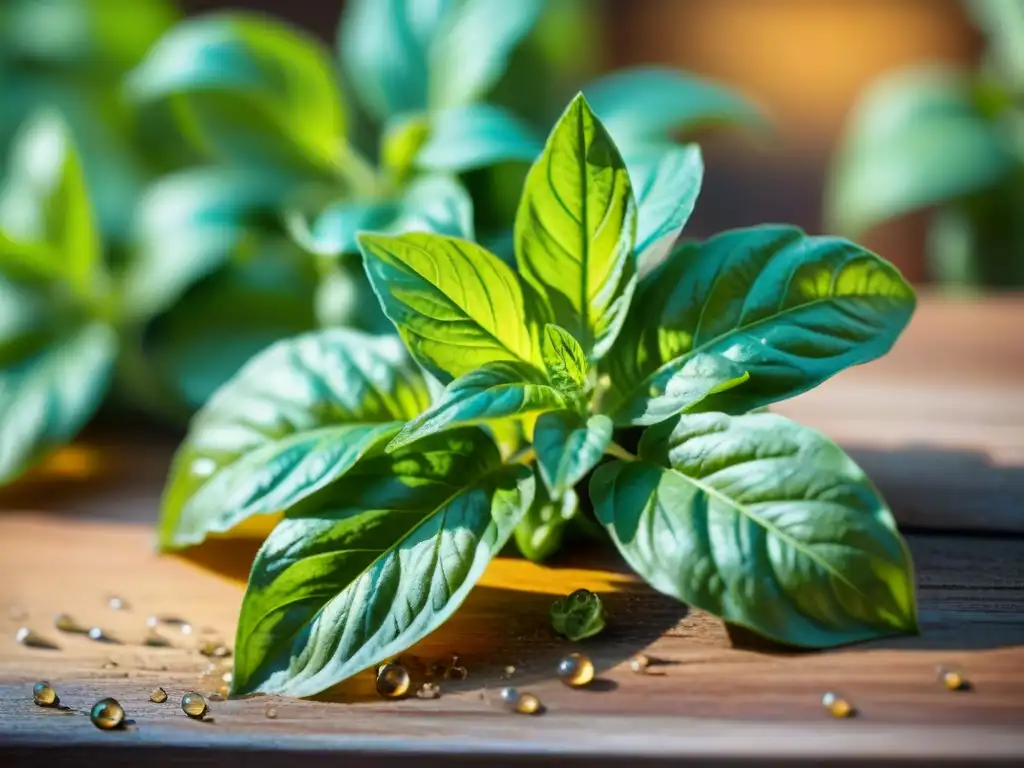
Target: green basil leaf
568,448
384,49
187,225
251,88
44,199
788,309
383,557
651,104
46,396
666,187
540,533
295,418
472,50
475,136
495,391
455,305
915,139
575,229
564,359
764,523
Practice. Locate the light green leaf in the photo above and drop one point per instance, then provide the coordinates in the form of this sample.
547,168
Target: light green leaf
187,225
251,88
575,229
471,51
48,394
455,305
44,199
495,391
788,309
915,139
382,558
568,448
666,184
564,359
475,136
295,418
766,524
651,104
539,534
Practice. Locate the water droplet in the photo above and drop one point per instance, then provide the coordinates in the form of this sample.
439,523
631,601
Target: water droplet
65,623
639,663
203,467
270,712
27,637
214,649
158,696
44,695
155,640
952,678
227,677
429,691
528,704
100,635
118,603
193,705
392,681
509,697
837,706
576,670
107,714
173,621
224,690
508,671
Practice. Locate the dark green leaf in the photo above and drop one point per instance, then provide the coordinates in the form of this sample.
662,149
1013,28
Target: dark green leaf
475,136
766,524
579,615
295,418
375,562
788,309
47,395
495,391
569,447
455,305
540,533
252,89
650,104
575,230
915,139
666,186
564,359
44,199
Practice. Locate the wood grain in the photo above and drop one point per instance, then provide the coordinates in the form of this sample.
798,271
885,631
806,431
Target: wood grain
939,425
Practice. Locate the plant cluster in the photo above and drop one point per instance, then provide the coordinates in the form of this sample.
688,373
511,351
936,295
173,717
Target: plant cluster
947,140
182,194
402,466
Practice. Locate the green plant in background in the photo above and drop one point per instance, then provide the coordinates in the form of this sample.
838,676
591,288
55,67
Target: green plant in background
949,139
396,495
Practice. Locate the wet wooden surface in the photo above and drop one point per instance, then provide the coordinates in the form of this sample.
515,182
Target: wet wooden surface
939,425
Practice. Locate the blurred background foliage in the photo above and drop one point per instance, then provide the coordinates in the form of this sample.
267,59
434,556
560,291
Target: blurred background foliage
231,150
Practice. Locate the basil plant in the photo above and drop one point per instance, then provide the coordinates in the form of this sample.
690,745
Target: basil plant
945,140
402,466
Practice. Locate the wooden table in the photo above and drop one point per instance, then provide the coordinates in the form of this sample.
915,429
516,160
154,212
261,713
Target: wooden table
939,424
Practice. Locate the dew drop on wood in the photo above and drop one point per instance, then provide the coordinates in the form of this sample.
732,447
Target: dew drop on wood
508,671
214,649
393,681
193,705
100,635
158,696
107,714
65,623
528,704
952,678
270,712
118,603
837,706
44,695
25,636
509,697
227,677
639,663
429,691
576,670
